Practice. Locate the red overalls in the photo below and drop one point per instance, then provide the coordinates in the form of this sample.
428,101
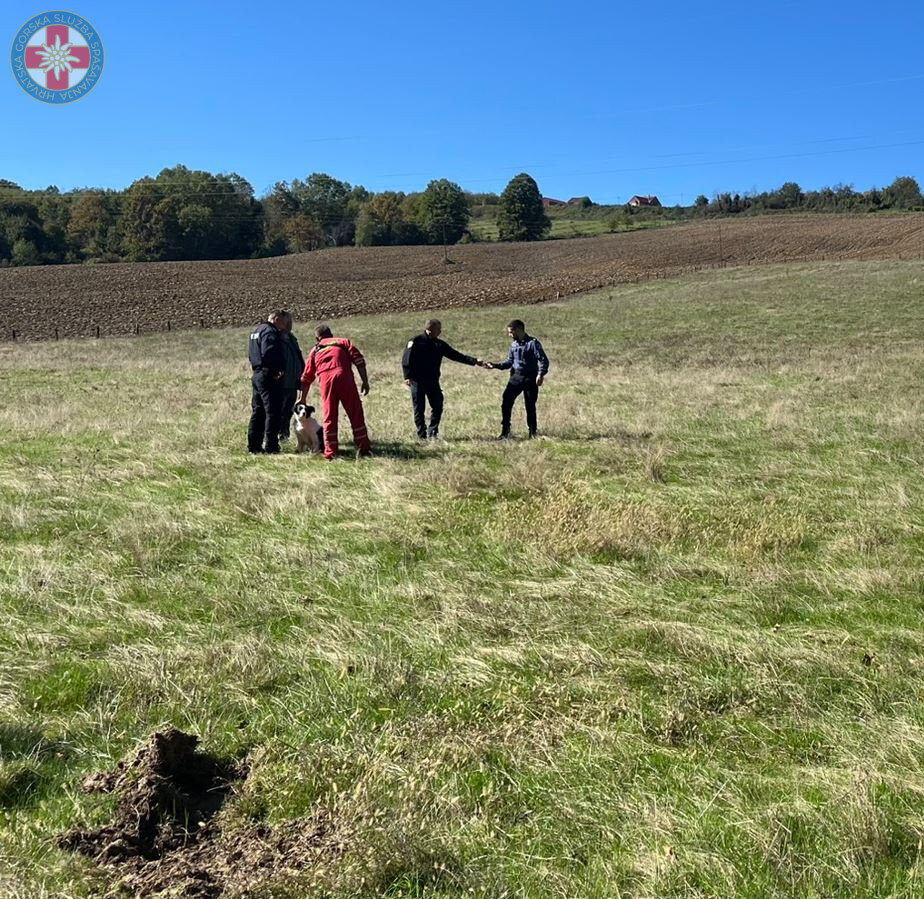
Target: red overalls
331,361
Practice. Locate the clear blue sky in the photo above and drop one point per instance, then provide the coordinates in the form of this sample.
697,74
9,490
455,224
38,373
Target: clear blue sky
600,98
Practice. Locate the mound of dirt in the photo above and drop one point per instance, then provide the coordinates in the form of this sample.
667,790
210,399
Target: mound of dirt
164,839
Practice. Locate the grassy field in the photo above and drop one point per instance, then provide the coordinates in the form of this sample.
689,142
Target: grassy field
673,649
486,229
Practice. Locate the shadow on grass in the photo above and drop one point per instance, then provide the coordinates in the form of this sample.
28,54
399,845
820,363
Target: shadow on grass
617,436
23,786
26,741
412,450
394,449
30,761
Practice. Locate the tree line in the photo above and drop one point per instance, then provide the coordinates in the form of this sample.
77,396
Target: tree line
184,214
903,193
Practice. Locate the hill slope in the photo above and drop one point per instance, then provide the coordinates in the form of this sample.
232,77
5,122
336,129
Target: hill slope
331,283
674,650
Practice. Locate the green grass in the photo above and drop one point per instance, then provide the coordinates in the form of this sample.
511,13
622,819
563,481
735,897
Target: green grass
672,650
563,227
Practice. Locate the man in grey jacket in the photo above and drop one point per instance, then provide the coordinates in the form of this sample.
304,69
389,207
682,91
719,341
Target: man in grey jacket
528,365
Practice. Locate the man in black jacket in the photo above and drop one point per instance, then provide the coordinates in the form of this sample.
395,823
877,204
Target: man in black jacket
291,380
267,359
422,359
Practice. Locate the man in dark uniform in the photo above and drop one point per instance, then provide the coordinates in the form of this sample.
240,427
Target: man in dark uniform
421,362
291,380
528,366
267,359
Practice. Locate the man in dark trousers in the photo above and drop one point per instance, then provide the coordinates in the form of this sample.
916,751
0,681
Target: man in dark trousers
267,359
528,366
295,365
421,362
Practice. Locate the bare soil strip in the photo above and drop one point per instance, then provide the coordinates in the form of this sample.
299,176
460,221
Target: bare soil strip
149,297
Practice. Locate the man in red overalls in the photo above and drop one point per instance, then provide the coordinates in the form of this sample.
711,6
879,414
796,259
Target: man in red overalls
331,361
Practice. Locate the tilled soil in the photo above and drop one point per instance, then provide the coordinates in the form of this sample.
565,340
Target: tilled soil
166,840
38,302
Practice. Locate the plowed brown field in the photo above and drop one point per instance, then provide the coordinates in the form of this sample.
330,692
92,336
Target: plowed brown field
145,297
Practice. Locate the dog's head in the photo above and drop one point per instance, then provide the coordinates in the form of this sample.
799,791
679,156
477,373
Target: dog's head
303,411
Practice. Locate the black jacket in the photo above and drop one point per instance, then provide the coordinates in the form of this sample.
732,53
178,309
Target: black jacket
266,350
423,357
295,362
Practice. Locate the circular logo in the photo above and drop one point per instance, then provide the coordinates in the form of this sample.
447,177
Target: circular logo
57,57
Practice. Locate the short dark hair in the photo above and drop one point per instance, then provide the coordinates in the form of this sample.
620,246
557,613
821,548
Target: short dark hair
515,324
431,322
278,315
322,331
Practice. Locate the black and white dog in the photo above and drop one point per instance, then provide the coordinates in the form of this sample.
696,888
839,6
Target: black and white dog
309,435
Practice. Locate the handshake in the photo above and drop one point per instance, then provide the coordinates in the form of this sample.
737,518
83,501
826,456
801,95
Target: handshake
482,364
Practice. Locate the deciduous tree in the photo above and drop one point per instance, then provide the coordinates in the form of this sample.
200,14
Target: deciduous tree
903,193
444,211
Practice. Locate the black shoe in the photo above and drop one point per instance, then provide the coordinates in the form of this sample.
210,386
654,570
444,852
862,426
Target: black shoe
533,435
364,454
503,436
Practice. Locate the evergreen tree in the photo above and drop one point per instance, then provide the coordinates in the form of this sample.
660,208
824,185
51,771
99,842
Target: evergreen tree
521,215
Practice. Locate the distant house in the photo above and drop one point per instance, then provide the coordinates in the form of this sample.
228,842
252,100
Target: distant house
549,201
644,201
580,201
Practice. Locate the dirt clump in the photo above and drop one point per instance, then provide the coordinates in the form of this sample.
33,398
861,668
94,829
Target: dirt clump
226,865
165,838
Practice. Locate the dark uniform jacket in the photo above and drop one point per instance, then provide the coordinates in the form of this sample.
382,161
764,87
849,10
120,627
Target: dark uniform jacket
423,357
266,350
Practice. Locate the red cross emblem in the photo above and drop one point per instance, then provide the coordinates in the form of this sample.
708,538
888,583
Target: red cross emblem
63,51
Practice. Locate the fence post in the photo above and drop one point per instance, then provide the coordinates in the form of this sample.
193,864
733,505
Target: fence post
56,333
97,332
14,335
168,324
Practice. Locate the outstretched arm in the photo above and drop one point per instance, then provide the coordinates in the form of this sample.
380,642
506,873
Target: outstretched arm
453,354
507,363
